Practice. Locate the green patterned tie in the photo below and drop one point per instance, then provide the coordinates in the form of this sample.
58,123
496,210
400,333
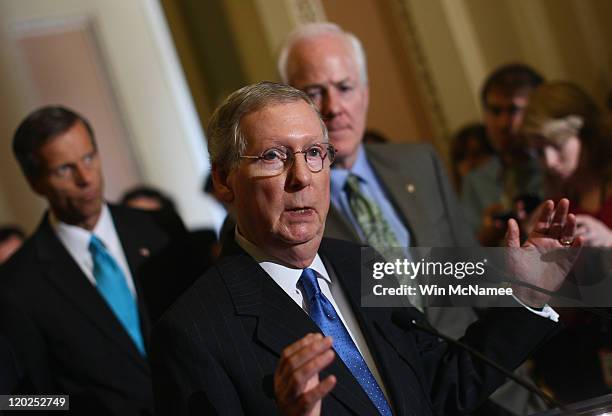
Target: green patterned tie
376,229
370,218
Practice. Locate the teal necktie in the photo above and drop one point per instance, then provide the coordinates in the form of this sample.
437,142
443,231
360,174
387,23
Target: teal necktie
113,287
376,229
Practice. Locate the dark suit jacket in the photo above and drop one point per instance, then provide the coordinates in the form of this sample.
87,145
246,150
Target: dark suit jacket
10,375
417,186
216,349
64,334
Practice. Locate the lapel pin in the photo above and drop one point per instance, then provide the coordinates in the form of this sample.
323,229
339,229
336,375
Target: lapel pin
144,252
410,188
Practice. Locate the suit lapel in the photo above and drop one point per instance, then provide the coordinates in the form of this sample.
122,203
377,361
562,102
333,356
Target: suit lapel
405,202
337,226
280,322
66,276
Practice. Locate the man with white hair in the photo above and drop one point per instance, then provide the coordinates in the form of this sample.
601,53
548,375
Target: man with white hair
404,184
385,195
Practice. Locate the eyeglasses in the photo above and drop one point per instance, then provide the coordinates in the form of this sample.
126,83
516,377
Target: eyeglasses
278,159
497,110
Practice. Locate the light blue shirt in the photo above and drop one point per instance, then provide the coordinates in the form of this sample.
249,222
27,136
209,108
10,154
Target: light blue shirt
372,189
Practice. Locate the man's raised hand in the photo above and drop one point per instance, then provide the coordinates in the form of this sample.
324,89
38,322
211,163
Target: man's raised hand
540,261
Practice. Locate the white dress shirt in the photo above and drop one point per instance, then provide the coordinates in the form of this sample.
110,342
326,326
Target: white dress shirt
76,240
288,279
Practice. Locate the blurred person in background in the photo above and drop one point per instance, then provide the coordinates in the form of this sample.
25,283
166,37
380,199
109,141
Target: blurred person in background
373,136
470,149
147,198
223,230
159,205
489,192
574,142
198,248
11,238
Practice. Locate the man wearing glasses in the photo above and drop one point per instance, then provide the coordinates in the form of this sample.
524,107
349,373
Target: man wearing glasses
248,336
489,191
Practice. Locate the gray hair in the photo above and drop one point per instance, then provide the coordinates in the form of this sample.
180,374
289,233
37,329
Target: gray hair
226,142
314,30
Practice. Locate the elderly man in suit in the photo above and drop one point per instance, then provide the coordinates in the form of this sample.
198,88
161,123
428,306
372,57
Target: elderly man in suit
248,336
384,195
71,299
413,203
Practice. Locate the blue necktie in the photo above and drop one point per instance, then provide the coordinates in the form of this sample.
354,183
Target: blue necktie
325,316
113,287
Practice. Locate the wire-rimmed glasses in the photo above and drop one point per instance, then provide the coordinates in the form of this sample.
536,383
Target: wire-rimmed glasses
278,159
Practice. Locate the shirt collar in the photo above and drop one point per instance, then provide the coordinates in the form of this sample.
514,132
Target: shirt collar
286,277
361,169
104,228
78,237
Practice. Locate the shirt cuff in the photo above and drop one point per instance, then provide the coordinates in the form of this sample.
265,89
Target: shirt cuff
545,312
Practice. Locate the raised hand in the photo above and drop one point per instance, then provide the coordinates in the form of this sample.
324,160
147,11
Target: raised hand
541,261
296,379
594,232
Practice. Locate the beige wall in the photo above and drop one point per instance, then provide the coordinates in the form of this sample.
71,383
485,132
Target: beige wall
443,50
395,103
463,40
442,45
48,55
151,94
429,58
254,51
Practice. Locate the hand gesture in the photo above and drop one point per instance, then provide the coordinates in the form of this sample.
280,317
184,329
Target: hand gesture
540,261
594,232
296,380
527,221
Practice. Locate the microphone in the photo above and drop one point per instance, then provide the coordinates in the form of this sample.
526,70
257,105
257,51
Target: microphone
405,322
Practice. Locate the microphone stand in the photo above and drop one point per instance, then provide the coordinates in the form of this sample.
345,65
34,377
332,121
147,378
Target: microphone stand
535,390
